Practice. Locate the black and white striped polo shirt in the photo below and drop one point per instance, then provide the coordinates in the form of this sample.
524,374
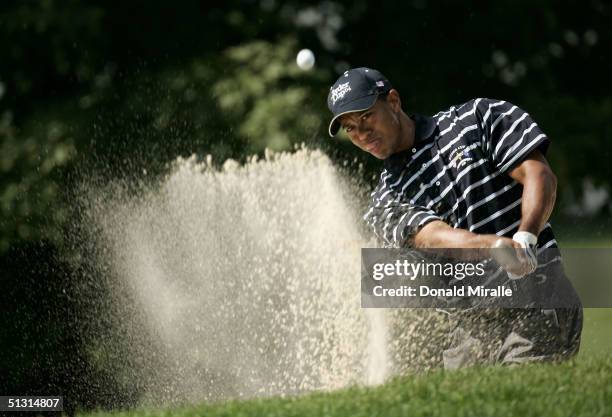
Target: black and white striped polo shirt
457,172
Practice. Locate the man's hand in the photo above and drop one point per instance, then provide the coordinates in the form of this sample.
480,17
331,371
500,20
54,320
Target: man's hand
528,242
515,257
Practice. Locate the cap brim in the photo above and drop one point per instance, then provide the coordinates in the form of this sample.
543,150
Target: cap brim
361,104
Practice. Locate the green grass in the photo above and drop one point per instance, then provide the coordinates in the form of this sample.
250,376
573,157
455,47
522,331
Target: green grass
596,233
575,388
596,333
583,233
582,387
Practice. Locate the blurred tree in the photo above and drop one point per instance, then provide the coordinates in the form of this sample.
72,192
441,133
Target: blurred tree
549,58
267,96
117,89
87,88
132,85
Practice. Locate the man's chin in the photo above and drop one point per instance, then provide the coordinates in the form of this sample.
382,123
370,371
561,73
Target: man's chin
379,155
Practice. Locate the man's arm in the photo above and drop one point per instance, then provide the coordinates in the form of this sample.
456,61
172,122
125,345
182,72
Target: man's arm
473,246
538,200
539,191
468,246
438,234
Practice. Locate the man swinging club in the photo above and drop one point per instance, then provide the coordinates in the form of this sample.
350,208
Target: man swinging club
472,176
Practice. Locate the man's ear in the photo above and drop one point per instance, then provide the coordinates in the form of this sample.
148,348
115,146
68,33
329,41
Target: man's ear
394,100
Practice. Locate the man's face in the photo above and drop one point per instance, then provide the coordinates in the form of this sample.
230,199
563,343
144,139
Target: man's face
377,129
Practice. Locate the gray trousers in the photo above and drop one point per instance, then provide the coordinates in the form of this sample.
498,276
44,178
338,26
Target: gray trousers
511,336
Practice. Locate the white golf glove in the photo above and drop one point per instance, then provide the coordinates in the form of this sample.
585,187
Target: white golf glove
528,241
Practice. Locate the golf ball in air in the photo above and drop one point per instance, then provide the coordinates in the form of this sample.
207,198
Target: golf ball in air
305,59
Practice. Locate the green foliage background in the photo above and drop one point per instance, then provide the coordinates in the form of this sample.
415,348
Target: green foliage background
87,84
114,89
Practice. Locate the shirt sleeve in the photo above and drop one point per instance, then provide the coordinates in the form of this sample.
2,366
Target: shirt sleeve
509,133
394,220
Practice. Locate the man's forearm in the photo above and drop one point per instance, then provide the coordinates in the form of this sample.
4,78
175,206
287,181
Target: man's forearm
538,200
467,246
539,192
437,235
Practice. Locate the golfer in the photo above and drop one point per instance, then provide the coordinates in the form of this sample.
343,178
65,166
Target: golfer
464,178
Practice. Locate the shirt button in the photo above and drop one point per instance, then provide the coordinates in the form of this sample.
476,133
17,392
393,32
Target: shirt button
424,165
413,150
437,182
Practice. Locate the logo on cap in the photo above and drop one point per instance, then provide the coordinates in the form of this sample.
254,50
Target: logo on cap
339,92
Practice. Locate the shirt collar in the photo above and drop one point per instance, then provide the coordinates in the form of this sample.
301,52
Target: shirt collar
424,128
